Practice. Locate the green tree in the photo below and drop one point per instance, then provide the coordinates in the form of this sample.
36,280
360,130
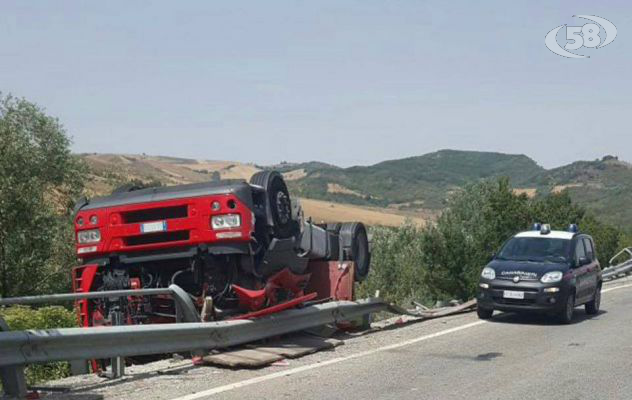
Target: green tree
478,220
39,178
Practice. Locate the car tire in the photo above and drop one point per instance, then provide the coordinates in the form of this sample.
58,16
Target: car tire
484,313
592,307
279,203
566,315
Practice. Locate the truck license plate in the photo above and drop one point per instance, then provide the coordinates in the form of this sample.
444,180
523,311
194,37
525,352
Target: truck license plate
150,227
513,294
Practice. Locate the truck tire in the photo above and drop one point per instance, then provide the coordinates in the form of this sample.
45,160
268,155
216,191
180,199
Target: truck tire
355,243
279,205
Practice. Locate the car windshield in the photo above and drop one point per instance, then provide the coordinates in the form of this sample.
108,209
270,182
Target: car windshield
535,249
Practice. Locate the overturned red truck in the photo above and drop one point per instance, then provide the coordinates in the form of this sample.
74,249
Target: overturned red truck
237,248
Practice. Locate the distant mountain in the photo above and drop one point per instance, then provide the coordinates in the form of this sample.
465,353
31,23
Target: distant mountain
603,186
416,186
415,182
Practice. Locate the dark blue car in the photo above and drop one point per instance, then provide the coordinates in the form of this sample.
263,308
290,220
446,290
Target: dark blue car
542,271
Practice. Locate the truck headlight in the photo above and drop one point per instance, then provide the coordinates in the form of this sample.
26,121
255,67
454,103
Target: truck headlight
552,277
488,273
226,221
91,236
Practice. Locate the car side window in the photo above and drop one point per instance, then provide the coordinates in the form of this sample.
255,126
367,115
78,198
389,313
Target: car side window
580,251
590,251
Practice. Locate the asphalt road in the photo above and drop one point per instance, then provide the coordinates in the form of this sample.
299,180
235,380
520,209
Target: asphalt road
510,357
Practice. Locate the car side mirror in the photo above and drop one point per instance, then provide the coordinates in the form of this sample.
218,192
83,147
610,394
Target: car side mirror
583,261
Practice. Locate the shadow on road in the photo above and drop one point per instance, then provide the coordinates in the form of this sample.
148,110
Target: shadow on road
542,319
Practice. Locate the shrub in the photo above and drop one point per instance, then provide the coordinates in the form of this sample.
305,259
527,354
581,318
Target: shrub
396,265
22,318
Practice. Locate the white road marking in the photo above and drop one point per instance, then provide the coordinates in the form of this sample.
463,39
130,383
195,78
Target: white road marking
304,368
615,288
298,370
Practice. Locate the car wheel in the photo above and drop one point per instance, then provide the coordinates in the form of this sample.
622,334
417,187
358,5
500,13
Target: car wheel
592,307
484,313
566,316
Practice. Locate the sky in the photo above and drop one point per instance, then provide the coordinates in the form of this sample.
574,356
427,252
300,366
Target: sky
339,81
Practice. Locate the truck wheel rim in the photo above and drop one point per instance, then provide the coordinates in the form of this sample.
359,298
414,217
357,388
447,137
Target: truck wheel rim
283,207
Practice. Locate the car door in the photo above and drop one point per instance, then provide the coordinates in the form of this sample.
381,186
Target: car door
580,271
592,272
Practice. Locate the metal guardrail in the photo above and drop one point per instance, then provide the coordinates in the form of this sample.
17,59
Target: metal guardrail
617,270
19,348
614,271
185,309
13,377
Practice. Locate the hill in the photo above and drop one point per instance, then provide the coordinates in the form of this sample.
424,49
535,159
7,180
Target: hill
415,182
415,187
603,186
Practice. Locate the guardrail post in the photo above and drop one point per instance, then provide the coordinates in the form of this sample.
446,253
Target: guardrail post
117,363
13,381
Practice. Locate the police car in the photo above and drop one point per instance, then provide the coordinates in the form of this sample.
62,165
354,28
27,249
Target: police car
542,271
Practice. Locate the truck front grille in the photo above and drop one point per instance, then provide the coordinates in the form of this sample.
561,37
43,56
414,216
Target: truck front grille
155,214
154,238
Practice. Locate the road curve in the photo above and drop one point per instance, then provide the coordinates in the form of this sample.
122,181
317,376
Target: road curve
510,357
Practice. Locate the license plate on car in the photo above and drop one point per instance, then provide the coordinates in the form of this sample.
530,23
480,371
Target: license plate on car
151,227
513,294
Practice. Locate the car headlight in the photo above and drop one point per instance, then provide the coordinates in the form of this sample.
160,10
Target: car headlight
552,277
226,221
91,236
488,273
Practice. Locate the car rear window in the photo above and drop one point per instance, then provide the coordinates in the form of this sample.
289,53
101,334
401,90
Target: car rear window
535,249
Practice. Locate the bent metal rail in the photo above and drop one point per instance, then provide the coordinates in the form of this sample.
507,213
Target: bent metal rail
19,348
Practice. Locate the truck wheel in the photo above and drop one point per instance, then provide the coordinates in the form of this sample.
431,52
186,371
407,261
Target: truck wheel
355,242
484,313
279,206
592,307
566,315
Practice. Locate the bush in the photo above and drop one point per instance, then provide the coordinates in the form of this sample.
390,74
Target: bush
443,261
22,318
396,265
